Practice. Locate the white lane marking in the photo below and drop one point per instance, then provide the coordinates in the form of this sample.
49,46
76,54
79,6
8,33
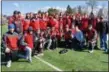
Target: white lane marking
54,67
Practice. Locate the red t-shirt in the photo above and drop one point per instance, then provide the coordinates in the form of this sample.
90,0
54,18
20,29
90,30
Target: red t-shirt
12,41
29,39
43,24
26,24
35,24
56,25
84,25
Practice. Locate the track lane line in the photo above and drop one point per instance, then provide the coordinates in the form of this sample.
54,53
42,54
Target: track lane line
47,63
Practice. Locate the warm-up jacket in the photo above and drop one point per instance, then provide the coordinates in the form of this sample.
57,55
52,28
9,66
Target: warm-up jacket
10,40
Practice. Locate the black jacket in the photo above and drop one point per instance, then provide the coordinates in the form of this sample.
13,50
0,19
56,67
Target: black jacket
108,27
103,27
78,23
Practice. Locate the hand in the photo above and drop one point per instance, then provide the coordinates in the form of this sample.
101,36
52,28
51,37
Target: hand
26,44
36,39
7,50
41,39
92,41
41,45
86,35
72,36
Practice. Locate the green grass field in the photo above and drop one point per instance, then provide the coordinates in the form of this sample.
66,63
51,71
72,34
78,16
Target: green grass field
70,61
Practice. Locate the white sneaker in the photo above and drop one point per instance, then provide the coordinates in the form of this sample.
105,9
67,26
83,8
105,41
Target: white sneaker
41,54
91,51
48,49
102,48
9,64
27,58
30,60
106,50
38,54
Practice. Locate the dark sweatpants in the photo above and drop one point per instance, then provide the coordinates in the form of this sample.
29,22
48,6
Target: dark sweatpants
77,45
54,43
91,45
68,43
11,56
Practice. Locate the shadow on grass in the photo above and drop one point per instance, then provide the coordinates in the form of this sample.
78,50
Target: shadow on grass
104,62
3,61
106,52
22,61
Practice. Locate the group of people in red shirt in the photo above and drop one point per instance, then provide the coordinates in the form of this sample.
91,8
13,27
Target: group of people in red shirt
30,35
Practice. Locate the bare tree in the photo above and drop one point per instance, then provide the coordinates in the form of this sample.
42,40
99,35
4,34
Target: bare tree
92,4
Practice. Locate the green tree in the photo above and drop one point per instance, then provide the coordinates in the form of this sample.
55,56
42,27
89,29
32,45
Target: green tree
52,11
74,10
79,10
39,11
69,10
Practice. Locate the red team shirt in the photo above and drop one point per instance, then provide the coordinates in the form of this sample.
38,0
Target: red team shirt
35,24
84,25
28,38
26,24
43,24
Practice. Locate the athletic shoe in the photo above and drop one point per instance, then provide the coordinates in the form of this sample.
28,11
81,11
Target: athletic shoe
102,48
30,60
41,54
9,64
63,51
106,50
48,49
91,51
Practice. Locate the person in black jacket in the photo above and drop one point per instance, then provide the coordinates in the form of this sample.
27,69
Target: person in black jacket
108,27
103,30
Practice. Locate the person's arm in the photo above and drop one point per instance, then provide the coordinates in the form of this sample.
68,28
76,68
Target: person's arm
107,27
97,26
95,36
81,37
22,41
35,38
4,43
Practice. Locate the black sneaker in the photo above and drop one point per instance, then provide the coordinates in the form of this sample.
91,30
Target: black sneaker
63,51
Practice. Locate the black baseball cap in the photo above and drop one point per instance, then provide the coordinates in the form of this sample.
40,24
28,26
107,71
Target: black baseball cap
15,12
19,12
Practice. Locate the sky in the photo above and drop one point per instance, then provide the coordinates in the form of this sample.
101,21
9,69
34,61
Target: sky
33,6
